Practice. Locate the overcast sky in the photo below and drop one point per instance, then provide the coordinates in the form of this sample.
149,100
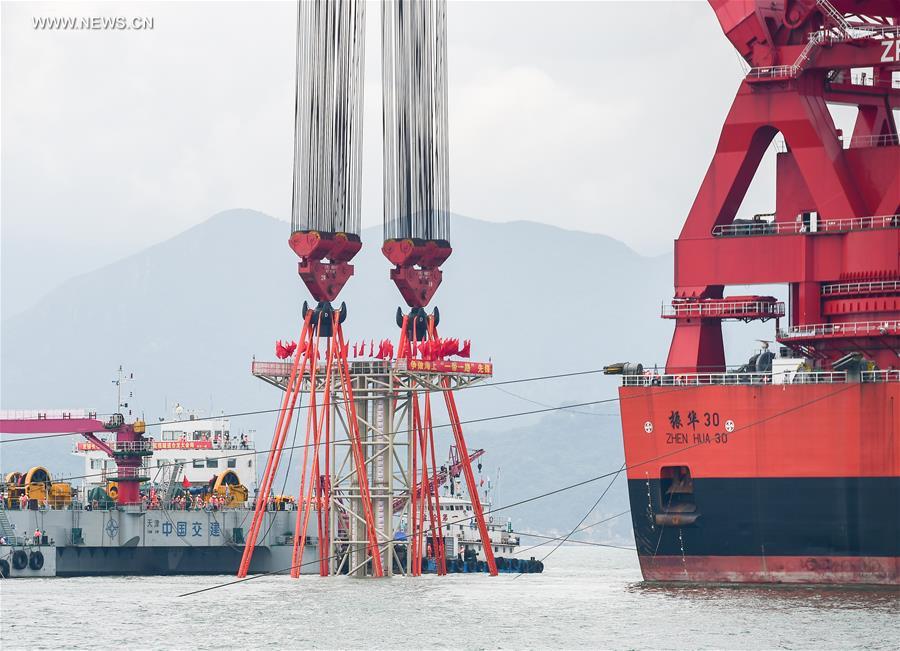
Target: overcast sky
593,116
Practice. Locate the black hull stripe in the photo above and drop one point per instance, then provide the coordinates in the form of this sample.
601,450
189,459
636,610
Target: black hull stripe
844,516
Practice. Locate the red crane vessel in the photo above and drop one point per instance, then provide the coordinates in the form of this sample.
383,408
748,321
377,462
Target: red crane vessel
787,467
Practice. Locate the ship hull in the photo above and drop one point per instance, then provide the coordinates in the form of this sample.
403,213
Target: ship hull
134,541
765,484
136,561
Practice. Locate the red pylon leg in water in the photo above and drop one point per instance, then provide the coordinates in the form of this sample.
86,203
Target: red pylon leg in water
471,485
323,479
414,525
439,551
434,513
309,447
283,424
356,447
310,497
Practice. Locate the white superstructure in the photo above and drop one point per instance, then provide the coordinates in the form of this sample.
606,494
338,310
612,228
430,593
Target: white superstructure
196,448
460,531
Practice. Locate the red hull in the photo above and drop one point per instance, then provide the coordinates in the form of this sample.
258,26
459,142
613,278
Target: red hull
774,483
829,570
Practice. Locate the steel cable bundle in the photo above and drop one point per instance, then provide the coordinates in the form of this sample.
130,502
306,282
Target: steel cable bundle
414,84
328,116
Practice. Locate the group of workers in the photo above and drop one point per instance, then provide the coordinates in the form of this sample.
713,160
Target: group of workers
187,502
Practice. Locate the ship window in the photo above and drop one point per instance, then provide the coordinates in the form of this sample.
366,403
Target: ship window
198,463
676,487
212,463
232,463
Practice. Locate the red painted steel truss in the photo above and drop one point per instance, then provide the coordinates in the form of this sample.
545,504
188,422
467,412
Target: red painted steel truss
837,212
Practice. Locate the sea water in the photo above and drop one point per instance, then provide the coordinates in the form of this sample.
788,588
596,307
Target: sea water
587,597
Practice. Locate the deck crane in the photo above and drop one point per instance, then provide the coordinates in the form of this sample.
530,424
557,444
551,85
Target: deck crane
439,476
834,234
127,450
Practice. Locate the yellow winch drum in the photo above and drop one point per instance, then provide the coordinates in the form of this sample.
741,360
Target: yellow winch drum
37,484
229,486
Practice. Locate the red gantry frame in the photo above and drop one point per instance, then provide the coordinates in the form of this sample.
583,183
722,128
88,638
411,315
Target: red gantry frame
834,236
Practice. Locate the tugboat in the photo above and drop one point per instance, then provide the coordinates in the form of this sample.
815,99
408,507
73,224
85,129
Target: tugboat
461,540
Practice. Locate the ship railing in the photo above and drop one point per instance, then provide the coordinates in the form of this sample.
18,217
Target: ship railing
863,328
701,379
132,446
822,226
117,446
734,309
45,414
874,287
774,72
887,375
866,79
885,140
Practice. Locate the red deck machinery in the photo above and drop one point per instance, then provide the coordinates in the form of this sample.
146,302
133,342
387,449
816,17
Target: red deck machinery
833,236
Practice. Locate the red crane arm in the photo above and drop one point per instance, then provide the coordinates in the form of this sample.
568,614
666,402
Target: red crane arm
84,426
441,476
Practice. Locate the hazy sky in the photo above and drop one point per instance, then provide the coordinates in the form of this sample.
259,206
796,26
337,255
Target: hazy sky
594,116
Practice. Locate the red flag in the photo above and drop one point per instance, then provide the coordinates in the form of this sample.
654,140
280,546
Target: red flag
290,348
450,347
372,348
389,349
466,350
355,349
185,483
279,350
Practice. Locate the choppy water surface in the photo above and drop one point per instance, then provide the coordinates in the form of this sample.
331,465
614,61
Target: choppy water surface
587,597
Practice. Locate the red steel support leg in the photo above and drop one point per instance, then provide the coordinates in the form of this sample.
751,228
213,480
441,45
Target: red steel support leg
302,504
471,485
290,396
434,511
440,552
466,463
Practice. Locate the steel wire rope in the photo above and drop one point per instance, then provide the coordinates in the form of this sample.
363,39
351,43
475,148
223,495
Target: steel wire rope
406,431
550,539
558,490
584,517
276,410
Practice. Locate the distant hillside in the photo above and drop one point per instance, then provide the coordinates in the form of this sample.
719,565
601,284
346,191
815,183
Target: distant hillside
188,314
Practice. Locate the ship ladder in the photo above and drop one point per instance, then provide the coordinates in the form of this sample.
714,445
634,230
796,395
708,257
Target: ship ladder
168,492
6,527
